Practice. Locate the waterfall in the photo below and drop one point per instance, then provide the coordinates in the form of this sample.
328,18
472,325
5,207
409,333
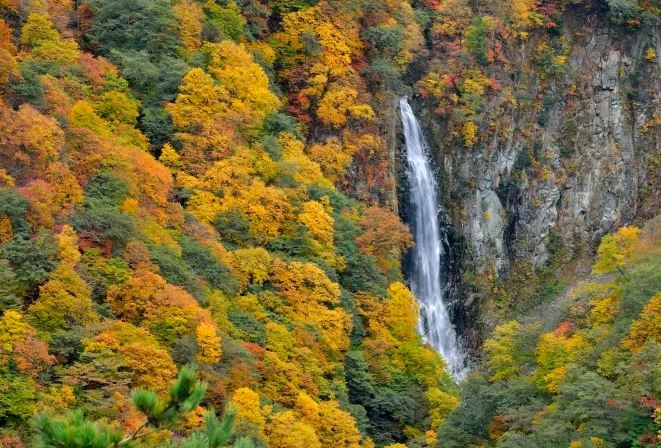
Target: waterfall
425,273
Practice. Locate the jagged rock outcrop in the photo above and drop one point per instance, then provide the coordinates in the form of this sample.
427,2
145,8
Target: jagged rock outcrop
569,165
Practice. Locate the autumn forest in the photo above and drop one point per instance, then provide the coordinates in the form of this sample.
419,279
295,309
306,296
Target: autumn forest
203,241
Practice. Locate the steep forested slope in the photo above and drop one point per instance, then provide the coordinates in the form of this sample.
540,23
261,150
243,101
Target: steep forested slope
214,182
169,196
590,376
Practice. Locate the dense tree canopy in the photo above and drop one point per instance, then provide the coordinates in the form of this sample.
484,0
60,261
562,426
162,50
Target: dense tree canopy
211,182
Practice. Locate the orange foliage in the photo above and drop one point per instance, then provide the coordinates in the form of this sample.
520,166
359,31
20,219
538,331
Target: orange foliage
149,363
167,310
384,237
18,343
189,15
29,139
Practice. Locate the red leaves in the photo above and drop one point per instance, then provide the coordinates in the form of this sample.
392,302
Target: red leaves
253,348
564,329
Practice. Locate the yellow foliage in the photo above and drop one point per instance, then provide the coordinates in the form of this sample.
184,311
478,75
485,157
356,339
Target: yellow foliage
118,107
338,104
249,418
616,250
604,307
245,81
64,300
254,264
400,312
267,208
208,343
554,351
523,12
37,29
169,157
308,409
337,428
232,174
130,206
650,54
500,352
261,50
12,329
149,363
199,100
304,170
82,114
5,179
284,430
333,158
30,138
68,246
18,343
384,237
190,15
474,86
441,404
65,50
317,221
219,309
204,206
336,45
145,298
6,231
312,297
647,327
279,340
158,235
469,133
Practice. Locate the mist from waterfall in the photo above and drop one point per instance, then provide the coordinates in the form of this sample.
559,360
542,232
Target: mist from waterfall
425,274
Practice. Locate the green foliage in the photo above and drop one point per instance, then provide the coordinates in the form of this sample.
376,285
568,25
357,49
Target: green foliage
476,39
385,39
622,10
10,297
203,263
233,227
106,190
15,207
283,7
223,22
67,345
17,399
100,272
185,394
127,25
31,259
74,432
586,382
105,226
175,270
101,219
362,272
247,327
276,123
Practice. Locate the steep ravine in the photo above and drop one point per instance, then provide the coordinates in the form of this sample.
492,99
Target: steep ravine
569,161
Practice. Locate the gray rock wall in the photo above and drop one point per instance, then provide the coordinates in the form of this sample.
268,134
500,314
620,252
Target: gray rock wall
590,143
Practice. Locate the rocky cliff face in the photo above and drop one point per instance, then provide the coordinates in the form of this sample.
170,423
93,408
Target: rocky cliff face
591,144
563,161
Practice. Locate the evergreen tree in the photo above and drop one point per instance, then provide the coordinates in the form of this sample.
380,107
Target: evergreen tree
186,393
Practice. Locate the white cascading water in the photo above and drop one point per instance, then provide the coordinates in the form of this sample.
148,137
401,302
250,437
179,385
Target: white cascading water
425,276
